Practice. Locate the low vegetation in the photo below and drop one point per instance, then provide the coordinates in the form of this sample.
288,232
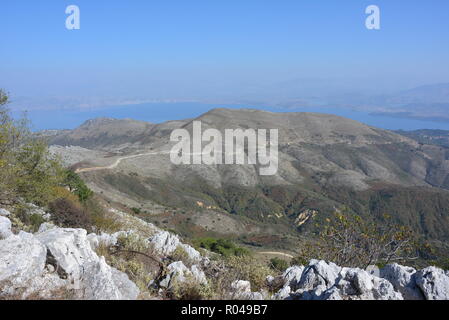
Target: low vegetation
278,264
351,241
223,247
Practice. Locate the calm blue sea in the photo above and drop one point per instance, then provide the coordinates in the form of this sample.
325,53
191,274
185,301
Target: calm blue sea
160,112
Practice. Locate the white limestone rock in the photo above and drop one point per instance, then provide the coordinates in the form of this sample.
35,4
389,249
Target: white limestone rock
292,276
358,284
46,226
282,294
321,280
22,259
192,253
178,273
434,283
71,250
241,290
106,239
5,228
166,243
241,286
403,279
316,278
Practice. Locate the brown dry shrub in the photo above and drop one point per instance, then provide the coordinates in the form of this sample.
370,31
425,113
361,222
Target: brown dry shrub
67,214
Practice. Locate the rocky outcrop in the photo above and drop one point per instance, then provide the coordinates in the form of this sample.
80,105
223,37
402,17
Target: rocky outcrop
434,283
58,259
178,273
72,254
166,243
105,239
241,290
321,280
5,228
22,259
404,280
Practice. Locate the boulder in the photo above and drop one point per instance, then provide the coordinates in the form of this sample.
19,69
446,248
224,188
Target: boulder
70,250
318,277
166,243
5,228
101,282
282,294
46,226
322,280
178,273
434,283
241,290
292,276
22,259
403,280
358,284
106,239
192,253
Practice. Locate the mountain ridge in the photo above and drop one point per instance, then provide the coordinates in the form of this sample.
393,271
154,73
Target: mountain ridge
325,162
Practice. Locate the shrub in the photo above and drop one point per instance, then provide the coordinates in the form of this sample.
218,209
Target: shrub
350,241
191,290
31,222
27,169
249,269
134,256
77,186
278,264
100,219
221,246
180,254
69,215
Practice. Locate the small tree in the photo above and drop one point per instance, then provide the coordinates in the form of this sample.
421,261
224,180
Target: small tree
77,186
348,240
27,169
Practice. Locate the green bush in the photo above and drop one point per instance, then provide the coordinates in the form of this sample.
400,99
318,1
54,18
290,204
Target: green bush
221,246
278,264
27,169
77,186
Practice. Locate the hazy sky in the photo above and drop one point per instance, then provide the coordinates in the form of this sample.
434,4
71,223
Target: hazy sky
233,49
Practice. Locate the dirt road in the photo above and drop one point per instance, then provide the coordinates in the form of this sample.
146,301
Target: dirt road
117,162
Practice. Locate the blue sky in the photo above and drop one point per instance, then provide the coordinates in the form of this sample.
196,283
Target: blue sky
144,50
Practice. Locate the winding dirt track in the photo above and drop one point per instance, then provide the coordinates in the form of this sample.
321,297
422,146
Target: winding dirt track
278,254
117,162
